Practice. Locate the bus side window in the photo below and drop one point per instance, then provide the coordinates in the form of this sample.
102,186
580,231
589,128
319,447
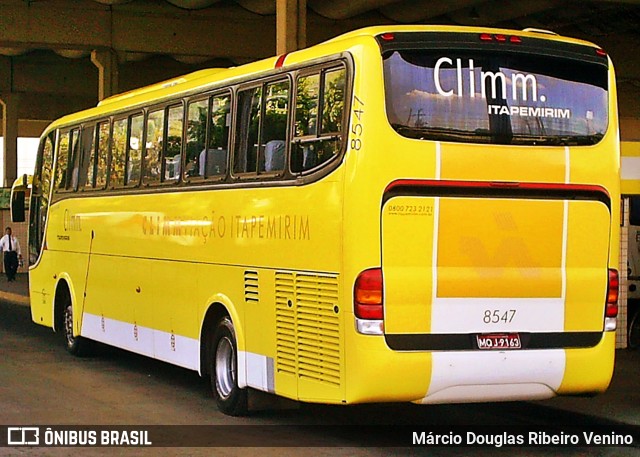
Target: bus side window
62,162
153,147
173,153
134,151
40,197
47,166
101,167
274,127
74,159
214,161
87,156
196,133
319,119
245,158
333,102
118,151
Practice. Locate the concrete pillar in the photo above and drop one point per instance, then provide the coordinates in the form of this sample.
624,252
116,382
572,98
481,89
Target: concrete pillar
107,62
291,25
10,104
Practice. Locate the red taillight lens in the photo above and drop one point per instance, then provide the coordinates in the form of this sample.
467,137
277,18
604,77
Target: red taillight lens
388,37
612,294
367,295
601,52
500,38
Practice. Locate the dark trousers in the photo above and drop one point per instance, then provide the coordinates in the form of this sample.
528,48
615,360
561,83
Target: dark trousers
11,264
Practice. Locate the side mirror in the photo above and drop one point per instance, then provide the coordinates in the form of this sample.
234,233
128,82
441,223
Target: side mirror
17,206
18,199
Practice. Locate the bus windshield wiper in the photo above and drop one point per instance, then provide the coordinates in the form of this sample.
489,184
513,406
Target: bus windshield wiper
560,140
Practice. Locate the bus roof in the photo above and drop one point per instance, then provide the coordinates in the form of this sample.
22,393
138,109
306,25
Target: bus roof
203,79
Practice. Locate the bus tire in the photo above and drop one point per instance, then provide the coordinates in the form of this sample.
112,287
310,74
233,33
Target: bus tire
223,369
634,331
75,345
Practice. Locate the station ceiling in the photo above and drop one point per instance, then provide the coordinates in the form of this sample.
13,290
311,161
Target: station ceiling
45,44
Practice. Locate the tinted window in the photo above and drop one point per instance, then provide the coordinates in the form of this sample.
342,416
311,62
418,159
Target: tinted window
495,98
153,145
214,162
75,159
319,118
102,156
196,135
87,156
118,152
274,129
40,197
247,131
62,162
172,155
134,152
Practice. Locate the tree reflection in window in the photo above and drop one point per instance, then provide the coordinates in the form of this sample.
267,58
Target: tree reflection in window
172,157
118,152
319,118
153,147
134,153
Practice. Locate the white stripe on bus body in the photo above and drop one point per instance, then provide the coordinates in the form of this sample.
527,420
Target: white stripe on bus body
254,370
176,349
260,373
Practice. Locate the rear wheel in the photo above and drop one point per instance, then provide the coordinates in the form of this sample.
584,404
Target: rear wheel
75,345
223,369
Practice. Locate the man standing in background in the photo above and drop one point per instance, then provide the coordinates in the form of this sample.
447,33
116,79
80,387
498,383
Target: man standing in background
11,252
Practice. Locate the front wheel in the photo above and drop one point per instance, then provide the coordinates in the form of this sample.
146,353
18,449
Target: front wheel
223,369
75,345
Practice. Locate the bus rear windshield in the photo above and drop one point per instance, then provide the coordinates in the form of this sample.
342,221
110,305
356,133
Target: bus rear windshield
500,98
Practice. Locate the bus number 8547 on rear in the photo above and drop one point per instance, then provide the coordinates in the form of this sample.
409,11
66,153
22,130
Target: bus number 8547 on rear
497,316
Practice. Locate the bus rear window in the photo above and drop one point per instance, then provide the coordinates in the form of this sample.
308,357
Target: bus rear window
500,98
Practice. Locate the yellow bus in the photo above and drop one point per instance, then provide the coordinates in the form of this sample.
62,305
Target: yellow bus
425,214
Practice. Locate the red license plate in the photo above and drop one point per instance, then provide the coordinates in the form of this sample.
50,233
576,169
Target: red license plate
499,341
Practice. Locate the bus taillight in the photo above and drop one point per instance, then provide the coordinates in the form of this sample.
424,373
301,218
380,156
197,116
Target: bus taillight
611,310
500,38
367,301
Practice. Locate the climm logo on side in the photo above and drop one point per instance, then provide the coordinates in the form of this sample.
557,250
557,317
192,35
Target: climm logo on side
510,87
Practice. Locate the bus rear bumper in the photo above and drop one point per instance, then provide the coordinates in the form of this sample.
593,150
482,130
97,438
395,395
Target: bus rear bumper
477,376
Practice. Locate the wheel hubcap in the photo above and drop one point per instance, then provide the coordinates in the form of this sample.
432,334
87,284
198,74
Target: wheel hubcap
225,368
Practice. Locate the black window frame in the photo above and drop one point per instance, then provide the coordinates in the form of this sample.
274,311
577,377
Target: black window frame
258,175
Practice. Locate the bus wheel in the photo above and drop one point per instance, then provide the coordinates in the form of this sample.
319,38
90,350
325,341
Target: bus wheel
634,331
75,345
223,367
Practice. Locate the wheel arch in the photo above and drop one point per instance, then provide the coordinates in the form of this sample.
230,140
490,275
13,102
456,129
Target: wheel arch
64,290
220,306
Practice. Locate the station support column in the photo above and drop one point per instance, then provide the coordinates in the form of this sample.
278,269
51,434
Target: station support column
10,103
291,25
107,62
